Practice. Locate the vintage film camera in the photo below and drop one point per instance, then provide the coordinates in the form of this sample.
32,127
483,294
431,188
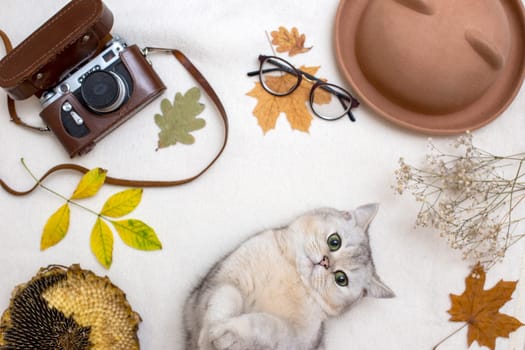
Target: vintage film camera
88,82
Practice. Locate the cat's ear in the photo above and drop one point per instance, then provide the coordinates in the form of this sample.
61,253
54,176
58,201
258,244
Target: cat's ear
378,289
365,214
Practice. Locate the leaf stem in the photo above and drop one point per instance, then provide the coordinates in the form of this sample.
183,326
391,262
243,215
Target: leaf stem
270,42
449,336
39,183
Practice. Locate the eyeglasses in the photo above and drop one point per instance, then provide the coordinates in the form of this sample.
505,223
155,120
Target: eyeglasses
328,101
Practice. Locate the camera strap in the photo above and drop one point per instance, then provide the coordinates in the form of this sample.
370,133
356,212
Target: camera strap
196,74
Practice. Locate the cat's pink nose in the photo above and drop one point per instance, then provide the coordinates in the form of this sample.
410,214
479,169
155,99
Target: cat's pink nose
325,262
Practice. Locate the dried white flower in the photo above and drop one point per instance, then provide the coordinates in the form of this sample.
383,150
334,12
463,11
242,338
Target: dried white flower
464,195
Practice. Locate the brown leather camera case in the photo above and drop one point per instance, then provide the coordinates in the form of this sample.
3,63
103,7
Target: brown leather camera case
146,87
75,34
70,39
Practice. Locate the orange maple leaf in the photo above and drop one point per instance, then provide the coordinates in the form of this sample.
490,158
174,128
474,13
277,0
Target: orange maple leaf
269,107
480,309
289,41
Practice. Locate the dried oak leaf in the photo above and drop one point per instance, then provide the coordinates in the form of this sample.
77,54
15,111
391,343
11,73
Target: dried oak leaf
289,41
179,119
294,105
480,309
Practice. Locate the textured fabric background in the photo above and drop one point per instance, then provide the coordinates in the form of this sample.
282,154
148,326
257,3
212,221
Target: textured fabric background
261,181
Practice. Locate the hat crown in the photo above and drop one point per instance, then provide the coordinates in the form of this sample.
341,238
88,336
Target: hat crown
433,56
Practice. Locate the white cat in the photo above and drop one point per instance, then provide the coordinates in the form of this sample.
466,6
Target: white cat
277,288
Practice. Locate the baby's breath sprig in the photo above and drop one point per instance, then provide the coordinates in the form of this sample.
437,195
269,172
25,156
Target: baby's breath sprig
470,195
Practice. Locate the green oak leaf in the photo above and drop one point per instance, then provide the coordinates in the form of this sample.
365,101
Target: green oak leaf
179,119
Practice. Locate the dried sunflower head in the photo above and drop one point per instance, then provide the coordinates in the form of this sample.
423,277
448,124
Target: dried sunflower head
68,309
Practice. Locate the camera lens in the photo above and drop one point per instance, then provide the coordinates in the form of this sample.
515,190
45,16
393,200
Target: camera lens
103,91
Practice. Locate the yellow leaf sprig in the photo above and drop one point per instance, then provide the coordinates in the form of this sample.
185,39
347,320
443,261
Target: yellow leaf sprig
133,232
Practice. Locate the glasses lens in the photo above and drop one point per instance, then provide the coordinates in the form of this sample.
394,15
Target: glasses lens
329,101
278,77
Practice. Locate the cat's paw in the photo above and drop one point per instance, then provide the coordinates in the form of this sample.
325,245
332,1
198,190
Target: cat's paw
228,341
227,335
204,341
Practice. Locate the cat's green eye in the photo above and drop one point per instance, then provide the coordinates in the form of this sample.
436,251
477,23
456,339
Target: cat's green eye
341,279
334,242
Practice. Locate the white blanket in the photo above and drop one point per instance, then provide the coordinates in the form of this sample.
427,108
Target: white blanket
261,181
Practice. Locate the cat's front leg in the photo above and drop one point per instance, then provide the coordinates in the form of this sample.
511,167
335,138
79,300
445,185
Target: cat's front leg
225,302
253,331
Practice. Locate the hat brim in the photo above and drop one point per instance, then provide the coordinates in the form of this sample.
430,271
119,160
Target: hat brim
479,113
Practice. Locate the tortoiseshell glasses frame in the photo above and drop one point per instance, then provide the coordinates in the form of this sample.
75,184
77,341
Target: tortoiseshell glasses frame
272,65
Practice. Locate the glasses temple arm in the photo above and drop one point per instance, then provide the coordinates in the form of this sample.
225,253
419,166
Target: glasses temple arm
352,99
257,72
345,106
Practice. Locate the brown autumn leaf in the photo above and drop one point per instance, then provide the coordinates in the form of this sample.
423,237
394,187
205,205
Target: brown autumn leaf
289,41
295,105
479,308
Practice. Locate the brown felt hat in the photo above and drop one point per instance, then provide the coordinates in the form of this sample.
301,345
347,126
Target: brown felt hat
435,66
